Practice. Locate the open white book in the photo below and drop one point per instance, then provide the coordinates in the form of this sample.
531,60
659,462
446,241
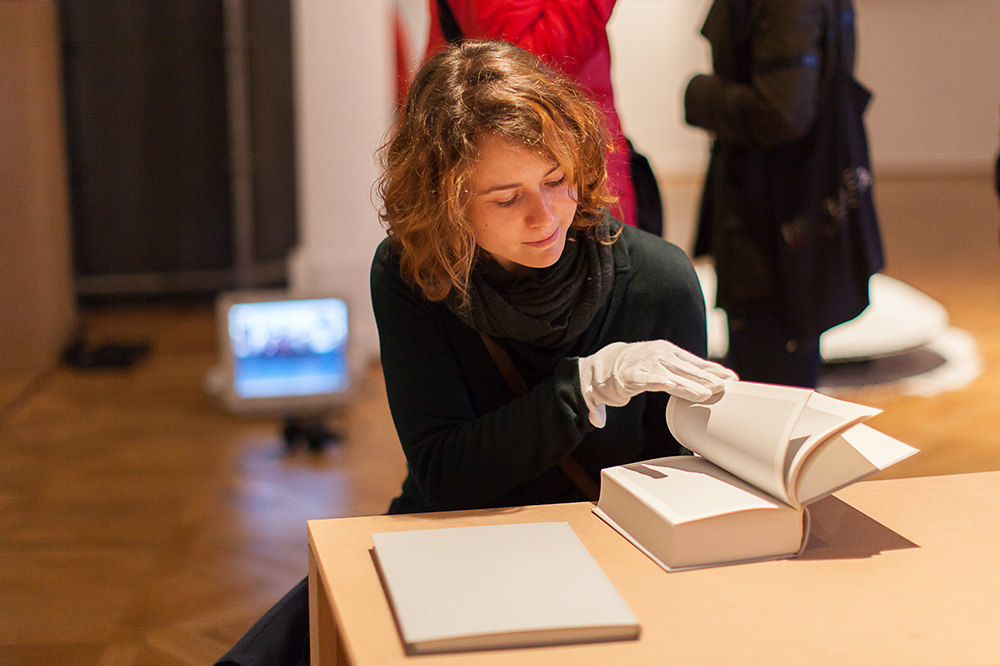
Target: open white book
763,453
498,586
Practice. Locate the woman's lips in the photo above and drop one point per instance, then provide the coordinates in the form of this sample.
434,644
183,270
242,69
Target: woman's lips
545,241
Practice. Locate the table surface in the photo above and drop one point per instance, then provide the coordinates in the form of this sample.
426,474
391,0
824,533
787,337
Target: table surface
901,571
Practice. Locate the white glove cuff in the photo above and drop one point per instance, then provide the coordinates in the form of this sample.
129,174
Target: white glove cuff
598,414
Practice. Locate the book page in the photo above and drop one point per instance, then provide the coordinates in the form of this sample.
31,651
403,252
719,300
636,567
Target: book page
821,420
745,431
689,488
858,452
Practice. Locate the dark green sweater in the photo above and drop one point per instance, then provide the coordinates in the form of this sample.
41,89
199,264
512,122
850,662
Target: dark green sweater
467,443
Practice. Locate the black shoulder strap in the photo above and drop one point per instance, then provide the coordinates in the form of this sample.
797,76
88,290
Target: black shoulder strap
449,25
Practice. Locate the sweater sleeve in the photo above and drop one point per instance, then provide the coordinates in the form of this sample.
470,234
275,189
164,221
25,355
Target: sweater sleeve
466,442
779,103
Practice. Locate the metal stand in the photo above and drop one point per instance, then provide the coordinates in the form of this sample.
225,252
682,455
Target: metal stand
310,430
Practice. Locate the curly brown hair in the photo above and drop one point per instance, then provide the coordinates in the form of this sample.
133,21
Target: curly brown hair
462,93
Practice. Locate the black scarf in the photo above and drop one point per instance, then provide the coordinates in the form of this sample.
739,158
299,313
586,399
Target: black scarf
547,309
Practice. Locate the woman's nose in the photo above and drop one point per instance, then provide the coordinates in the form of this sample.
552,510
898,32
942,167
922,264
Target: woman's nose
540,211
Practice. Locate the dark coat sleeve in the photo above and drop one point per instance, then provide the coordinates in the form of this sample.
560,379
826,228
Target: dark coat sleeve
776,101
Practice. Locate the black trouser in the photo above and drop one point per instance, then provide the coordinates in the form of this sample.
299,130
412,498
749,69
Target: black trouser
764,348
279,638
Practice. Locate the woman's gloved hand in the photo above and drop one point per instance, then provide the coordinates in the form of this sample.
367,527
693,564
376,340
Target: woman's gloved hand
624,369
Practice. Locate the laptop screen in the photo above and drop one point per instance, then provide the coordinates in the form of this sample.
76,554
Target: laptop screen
284,353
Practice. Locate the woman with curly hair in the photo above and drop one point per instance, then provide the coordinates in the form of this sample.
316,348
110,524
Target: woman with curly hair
500,242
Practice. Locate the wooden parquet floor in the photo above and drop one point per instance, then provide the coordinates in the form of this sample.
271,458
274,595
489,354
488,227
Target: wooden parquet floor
140,523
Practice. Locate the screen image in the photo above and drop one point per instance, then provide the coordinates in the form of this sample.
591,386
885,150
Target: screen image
288,348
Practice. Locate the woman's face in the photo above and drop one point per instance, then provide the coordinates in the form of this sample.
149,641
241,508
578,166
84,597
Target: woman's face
522,205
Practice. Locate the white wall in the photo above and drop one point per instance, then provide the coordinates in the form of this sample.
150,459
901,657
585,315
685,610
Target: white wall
344,73
934,66
656,49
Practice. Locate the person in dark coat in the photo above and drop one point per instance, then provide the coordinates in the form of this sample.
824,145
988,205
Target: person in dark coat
773,79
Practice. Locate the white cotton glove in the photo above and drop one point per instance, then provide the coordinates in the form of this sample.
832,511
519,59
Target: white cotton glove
624,369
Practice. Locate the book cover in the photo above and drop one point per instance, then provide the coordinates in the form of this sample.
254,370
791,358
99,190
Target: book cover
498,586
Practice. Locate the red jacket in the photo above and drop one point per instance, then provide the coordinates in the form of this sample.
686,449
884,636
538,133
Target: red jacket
569,35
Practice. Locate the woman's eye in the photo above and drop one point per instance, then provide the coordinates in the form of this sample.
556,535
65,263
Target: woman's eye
557,183
507,202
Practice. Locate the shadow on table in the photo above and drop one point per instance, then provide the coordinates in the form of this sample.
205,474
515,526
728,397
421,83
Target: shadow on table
838,531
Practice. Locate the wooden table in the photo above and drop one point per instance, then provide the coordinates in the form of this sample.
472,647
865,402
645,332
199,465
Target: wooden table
902,571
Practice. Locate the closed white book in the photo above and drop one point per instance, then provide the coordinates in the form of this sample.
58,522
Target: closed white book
498,586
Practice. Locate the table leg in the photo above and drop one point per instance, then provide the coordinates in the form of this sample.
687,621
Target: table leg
322,627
